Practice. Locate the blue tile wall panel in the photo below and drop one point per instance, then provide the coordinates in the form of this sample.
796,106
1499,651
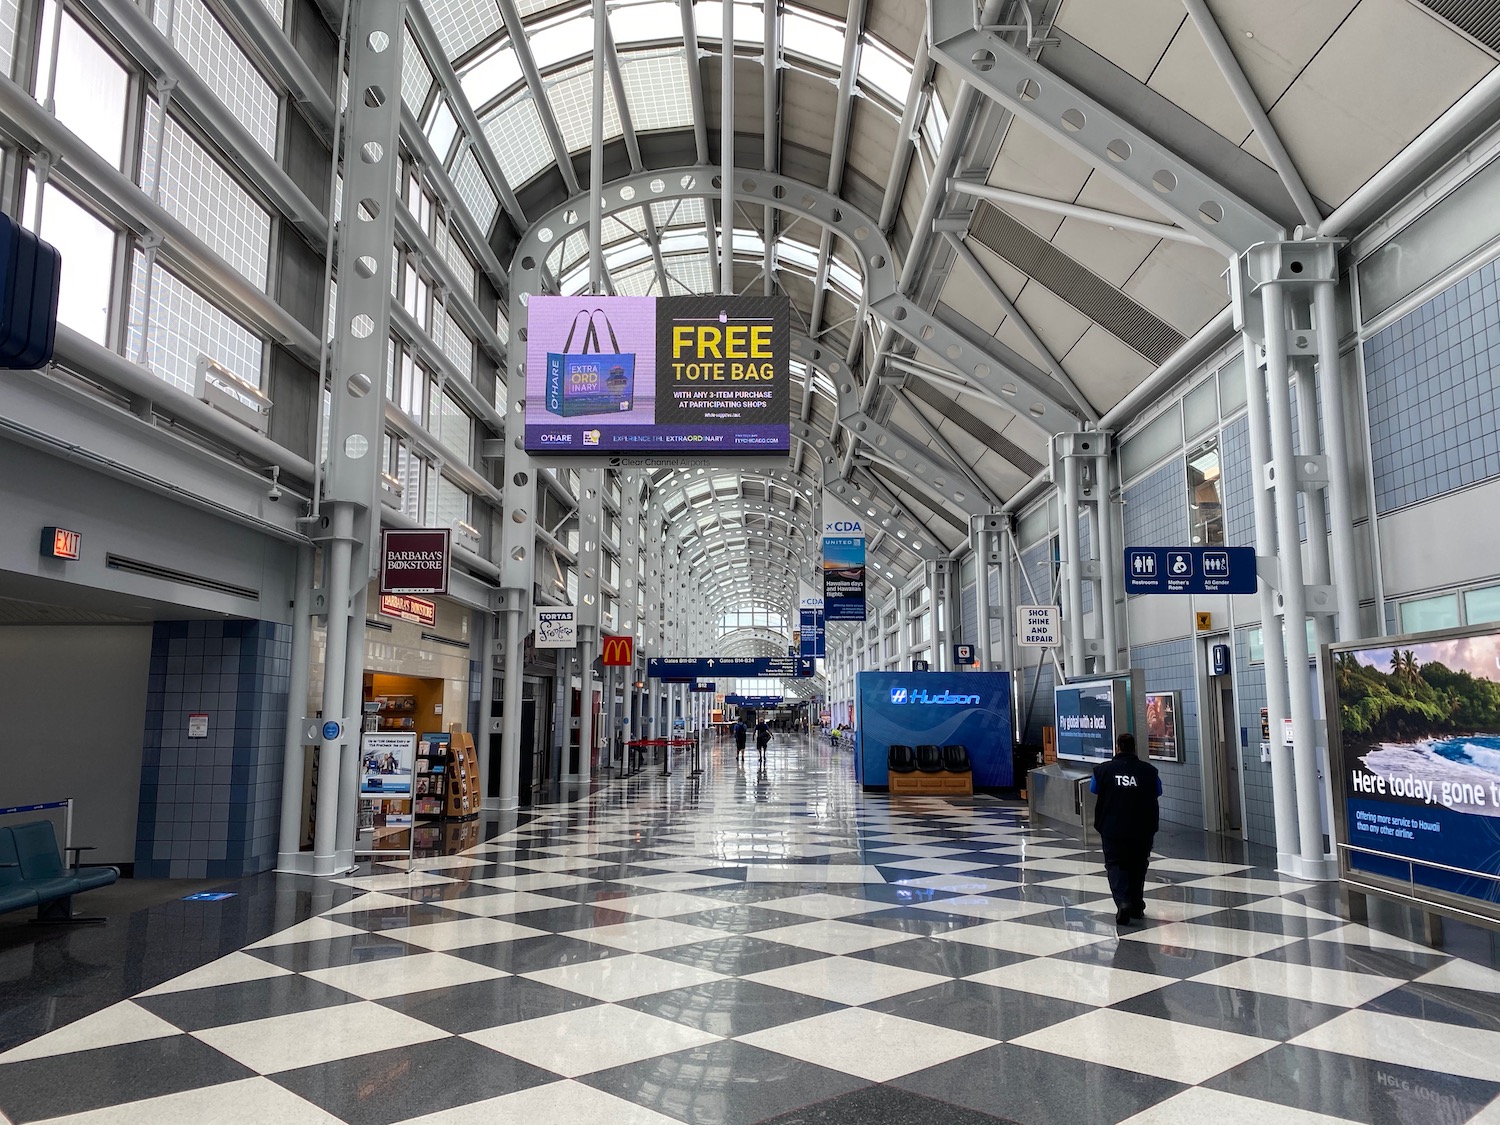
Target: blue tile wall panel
1237,487
1168,666
1156,508
1431,380
210,807
1085,545
1255,775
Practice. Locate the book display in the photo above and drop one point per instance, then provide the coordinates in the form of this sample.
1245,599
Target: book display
446,784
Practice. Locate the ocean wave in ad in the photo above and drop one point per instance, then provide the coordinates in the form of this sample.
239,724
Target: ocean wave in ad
1461,773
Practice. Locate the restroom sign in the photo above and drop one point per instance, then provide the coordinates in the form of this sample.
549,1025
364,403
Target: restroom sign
1039,625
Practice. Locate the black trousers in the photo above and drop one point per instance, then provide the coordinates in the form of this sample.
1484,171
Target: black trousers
1125,860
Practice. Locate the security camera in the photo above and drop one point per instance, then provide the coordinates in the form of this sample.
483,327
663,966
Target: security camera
275,493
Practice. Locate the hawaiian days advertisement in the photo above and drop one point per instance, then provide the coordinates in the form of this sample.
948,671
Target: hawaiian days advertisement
1420,737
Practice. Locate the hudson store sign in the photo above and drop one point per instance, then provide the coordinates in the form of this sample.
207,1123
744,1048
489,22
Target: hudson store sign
414,562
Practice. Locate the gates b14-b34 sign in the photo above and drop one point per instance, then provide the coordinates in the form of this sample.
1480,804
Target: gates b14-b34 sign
695,375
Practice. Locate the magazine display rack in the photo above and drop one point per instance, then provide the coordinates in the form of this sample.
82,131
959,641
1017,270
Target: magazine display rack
463,774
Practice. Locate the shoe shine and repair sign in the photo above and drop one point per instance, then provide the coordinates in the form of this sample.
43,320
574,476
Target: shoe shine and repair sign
695,375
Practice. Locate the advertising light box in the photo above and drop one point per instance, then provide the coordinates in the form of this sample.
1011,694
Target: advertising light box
968,709
697,375
1088,714
1416,755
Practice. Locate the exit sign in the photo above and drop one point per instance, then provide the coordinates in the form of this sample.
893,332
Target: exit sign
60,543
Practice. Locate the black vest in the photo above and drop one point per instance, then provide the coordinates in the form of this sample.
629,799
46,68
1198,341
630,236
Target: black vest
1127,800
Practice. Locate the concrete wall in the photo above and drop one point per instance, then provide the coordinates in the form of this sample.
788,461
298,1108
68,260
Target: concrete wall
72,708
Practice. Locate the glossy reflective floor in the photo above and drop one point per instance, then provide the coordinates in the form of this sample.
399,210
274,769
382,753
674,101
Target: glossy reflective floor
763,944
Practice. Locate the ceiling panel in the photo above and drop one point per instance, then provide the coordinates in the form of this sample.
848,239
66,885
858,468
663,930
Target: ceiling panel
1182,284
899,22
872,141
1387,73
1032,163
1058,323
1000,474
1111,253
807,110
1189,77
1132,34
1274,39
962,292
1104,368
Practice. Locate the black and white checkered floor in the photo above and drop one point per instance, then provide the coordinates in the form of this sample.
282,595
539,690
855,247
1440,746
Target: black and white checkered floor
774,946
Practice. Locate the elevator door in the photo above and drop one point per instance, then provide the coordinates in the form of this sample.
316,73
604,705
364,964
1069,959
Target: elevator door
1227,728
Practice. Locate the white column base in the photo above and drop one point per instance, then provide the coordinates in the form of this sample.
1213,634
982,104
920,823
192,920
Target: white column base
1314,870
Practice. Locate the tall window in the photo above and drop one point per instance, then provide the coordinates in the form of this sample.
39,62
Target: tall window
89,88
1205,505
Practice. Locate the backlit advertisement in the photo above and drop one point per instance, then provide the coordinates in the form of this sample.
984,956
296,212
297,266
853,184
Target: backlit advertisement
1417,756
843,578
1088,714
968,709
657,374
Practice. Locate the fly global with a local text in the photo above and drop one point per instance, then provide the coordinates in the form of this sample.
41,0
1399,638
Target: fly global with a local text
700,375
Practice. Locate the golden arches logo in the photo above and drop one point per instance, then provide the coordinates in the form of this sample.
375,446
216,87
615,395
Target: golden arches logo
618,652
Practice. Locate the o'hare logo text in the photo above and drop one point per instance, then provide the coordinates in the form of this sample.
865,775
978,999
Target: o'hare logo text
942,698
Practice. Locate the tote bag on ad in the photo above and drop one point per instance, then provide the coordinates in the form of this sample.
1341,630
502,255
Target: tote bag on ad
590,381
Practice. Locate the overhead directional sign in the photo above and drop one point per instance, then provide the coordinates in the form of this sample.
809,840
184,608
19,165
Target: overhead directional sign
753,702
1190,570
688,668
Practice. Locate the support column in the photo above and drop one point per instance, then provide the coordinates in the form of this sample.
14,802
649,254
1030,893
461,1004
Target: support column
293,768
1004,543
980,536
484,646
1110,578
1336,445
354,677
336,555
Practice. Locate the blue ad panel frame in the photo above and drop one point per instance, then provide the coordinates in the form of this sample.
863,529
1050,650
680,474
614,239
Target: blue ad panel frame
1416,814
973,709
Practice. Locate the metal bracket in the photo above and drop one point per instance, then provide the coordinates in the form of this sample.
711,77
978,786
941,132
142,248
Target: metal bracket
318,605
1268,570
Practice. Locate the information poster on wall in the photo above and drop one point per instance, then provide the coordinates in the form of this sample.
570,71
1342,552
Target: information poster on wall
658,374
1418,756
1162,741
843,570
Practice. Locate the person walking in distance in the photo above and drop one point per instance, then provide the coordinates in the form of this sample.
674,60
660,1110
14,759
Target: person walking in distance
1126,816
762,737
740,734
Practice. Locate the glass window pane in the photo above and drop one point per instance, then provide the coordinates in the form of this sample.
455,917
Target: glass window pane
1205,509
1200,409
1423,614
1457,226
1153,442
1483,605
87,247
1232,393
181,327
90,92
210,51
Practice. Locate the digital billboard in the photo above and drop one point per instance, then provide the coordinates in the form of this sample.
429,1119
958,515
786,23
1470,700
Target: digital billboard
1089,714
658,374
969,709
1163,742
1417,754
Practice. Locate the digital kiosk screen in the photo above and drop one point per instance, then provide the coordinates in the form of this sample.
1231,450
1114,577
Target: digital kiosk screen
1086,721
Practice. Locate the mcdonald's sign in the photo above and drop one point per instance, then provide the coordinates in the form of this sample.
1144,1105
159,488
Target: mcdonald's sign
617,652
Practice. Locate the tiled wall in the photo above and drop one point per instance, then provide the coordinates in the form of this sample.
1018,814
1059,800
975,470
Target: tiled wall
1085,545
1255,775
968,614
1156,508
1237,486
1169,667
1432,398
210,806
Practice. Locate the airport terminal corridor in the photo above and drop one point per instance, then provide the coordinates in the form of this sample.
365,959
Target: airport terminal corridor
766,943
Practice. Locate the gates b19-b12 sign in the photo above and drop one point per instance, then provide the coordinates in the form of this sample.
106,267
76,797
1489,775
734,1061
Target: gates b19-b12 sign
654,374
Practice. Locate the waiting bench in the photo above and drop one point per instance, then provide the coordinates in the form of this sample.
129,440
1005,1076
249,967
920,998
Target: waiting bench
32,873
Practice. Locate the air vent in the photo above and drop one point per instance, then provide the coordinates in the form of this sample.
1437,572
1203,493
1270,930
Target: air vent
438,639
987,434
382,626
1479,18
182,578
1085,290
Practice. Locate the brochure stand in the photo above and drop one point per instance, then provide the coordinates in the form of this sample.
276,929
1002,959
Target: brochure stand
433,777
463,780
386,780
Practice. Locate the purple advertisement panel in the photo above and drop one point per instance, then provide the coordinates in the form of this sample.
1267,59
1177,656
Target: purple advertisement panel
646,375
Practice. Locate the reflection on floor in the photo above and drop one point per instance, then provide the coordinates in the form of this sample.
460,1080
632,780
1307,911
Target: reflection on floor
766,944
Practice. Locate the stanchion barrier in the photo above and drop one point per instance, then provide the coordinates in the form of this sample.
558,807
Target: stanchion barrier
65,803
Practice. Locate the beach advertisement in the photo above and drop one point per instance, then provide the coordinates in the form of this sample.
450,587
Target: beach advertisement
1419,752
